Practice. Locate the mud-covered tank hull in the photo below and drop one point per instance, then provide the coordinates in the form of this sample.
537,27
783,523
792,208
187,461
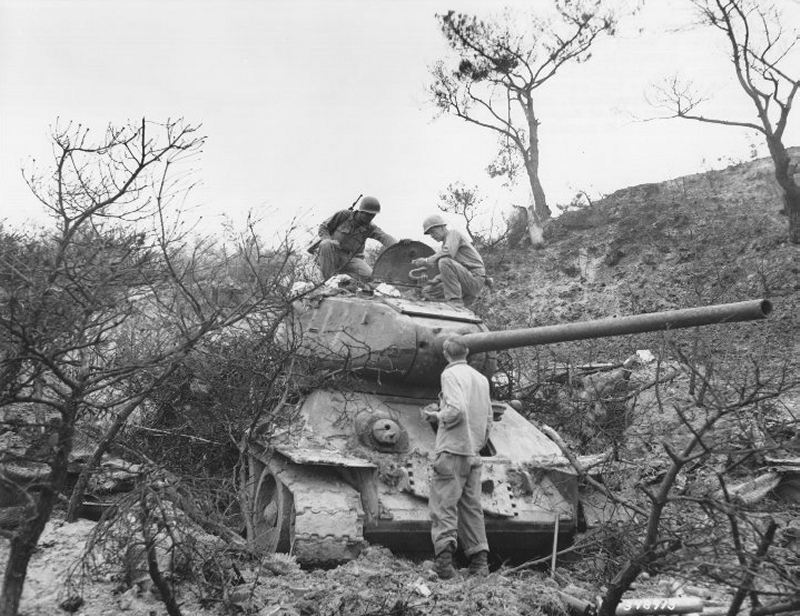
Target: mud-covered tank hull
326,490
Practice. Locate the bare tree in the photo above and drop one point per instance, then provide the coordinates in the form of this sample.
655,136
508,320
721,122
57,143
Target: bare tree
464,202
693,519
694,491
764,60
497,69
241,279
102,308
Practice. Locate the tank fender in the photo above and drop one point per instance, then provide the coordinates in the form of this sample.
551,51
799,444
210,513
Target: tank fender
319,456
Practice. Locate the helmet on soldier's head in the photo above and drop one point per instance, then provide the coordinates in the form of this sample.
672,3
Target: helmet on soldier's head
434,220
370,205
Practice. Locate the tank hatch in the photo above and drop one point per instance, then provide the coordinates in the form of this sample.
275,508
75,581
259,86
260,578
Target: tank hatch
394,264
434,310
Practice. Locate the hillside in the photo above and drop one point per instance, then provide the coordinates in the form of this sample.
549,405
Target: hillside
709,238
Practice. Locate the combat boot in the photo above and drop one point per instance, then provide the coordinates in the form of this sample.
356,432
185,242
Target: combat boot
443,565
479,564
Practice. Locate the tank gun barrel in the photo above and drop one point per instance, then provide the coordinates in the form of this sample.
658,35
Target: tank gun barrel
618,326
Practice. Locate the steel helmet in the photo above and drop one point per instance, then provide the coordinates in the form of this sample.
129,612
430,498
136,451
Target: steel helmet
370,205
434,220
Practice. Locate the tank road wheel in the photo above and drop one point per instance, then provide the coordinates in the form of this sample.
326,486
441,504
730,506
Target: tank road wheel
272,520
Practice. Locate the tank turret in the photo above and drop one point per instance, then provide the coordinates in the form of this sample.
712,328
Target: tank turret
354,468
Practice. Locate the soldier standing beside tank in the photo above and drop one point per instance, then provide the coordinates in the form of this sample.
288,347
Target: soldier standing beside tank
464,421
462,274
343,235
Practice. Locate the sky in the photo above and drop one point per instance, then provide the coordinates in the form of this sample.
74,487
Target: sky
308,103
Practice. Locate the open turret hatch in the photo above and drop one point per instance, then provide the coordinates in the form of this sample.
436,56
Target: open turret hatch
394,267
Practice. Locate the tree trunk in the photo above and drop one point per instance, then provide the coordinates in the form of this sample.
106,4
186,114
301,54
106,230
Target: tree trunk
24,540
751,568
622,582
540,208
166,591
530,156
791,191
539,212
794,220
23,544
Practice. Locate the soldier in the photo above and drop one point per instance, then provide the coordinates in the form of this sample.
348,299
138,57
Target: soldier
464,418
343,235
462,274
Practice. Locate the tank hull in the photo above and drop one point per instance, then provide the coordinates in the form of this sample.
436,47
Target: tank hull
346,493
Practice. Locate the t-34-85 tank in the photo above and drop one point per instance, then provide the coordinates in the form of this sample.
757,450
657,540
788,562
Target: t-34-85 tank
354,466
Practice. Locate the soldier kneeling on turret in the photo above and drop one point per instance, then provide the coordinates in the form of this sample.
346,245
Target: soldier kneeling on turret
343,235
462,274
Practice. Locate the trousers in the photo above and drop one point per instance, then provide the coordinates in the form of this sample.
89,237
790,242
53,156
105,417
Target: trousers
333,260
455,504
455,281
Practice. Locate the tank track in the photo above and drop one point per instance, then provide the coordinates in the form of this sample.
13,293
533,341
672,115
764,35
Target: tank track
328,515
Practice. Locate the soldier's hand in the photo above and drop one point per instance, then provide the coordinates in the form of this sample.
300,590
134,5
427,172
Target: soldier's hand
404,242
431,416
418,262
429,412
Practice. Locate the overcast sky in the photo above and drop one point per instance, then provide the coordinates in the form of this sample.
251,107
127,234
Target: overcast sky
307,103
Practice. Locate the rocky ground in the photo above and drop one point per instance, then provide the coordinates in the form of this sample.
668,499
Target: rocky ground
377,583
709,238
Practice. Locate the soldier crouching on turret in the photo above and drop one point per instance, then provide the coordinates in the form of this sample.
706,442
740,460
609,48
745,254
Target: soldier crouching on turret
462,274
343,235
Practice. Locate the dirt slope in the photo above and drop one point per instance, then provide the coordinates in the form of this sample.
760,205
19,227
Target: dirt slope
709,238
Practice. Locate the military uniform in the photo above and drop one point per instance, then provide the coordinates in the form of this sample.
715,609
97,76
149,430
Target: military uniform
462,274
348,256
465,420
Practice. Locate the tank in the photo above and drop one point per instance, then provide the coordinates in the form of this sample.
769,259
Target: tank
353,467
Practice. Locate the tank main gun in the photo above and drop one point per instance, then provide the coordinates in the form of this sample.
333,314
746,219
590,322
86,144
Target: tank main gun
481,342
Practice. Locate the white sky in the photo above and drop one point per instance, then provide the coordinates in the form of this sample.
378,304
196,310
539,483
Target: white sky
307,103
